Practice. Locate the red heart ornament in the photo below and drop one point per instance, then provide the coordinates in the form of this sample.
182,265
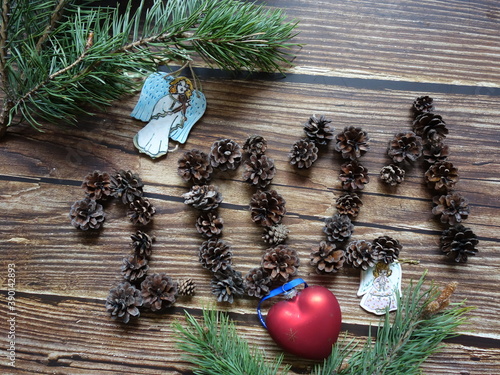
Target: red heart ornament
308,324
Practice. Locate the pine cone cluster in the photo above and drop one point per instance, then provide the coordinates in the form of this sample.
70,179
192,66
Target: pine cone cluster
267,208
281,263
452,208
349,204
87,214
97,185
215,255
405,147
352,142
326,258
338,228
225,154
255,145
141,211
123,302
386,249
319,130
353,176
158,291
257,282
392,174
275,234
227,284
459,242
195,167
209,224
303,154
441,176
204,197
259,170
127,186
360,254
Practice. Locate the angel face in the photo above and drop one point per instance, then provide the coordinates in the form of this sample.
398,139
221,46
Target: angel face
182,87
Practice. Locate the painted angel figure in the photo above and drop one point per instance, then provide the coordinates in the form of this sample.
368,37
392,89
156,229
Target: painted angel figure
172,107
379,286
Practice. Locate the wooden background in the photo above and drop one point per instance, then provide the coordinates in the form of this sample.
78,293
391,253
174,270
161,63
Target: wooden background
363,62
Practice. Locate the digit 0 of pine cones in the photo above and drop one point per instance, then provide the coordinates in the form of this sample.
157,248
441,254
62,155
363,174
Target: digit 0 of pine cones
319,130
353,176
141,211
225,154
259,170
338,228
360,254
257,282
227,284
423,104
158,291
267,208
349,204
430,127
123,302
392,174
209,224
97,185
127,186
459,242
281,263
405,147
194,166
205,197
303,154
441,176
255,145
86,214
452,208
326,258
215,255
386,249
352,142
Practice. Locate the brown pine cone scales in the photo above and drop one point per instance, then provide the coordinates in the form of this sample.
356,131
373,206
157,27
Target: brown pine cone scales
459,243
204,197
194,166
281,263
259,170
158,291
257,282
215,255
319,130
360,254
349,204
276,234
267,208
227,284
392,174
86,214
326,258
353,176
123,302
127,186
430,127
186,287
423,104
209,224
441,176
142,243
225,154
134,268
97,185
255,145
141,211
405,146
338,228
352,142
452,208
435,152
303,154
386,249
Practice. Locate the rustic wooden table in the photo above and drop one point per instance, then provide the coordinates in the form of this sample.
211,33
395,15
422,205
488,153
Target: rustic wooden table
363,63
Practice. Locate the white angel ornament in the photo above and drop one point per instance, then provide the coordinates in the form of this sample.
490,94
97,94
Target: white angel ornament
172,107
379,286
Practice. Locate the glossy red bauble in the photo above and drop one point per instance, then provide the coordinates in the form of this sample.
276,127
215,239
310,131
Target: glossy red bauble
308,324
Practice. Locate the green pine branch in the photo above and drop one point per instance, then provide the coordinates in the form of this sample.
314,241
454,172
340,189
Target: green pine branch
60,59
403,341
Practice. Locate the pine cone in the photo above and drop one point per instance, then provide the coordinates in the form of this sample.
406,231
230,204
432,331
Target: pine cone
303,153
392,174
338,228
141,211
209,225
127,186
326,258
255,145
97,185
259,170
430,127
423,104
267,208
442,176
353,176
194,166
187,287
215,255
142,243
257,282
405,146
352,142
86,214
227,284
459,242
158,291
280,262
134,268
386,249
276,234
435,152
452,208
360,254
349,204
319,130
225,154
205,197
123,302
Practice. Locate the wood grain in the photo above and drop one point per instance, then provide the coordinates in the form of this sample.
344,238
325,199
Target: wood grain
362,64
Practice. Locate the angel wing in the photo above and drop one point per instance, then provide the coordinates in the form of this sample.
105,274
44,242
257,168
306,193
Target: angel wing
155,87
196,109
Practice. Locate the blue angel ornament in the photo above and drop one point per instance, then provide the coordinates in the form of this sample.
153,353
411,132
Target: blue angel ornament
171,107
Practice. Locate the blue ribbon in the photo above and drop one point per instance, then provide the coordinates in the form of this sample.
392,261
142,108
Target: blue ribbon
285,288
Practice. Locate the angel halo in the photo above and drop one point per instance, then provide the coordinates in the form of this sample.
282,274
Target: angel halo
171,106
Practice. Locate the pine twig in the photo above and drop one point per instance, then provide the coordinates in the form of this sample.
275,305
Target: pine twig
54,19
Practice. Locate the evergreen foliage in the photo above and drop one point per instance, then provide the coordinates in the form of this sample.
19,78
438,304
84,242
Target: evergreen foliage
62,58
